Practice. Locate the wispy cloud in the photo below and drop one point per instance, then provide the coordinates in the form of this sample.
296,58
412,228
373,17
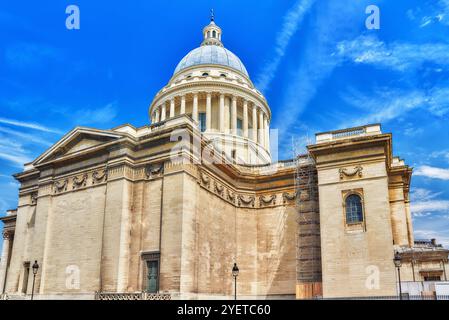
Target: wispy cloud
101,115
13,152
30,125
424,202
25,137
433,13
290,25
429,206
368,49
432,172
385,104
334,22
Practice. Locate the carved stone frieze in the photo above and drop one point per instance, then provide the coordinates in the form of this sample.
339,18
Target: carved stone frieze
246,201
289,197
79,182
219,189
33,197
99,176
204,179
265,200
154,170
357,171
61,186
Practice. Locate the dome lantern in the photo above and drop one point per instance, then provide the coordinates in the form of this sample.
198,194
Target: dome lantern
212,33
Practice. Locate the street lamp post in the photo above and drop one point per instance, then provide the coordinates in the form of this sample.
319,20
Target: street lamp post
35,269
235,273
397,262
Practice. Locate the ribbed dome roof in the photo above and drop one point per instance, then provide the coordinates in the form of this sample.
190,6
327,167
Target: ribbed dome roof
211,54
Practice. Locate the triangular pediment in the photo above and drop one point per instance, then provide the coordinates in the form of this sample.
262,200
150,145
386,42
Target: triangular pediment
77,141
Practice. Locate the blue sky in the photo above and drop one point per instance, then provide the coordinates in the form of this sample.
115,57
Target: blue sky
318,65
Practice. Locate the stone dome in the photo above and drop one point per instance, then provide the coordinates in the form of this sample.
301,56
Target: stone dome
211,54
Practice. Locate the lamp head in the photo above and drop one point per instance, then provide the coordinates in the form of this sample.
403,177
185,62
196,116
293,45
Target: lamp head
35,267
235,270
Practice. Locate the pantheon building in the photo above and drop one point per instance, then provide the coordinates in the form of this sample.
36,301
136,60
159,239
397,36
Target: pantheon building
166,210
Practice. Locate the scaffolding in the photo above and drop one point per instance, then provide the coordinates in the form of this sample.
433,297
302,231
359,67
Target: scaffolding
308,244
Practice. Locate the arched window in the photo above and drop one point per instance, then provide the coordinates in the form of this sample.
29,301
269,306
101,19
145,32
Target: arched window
205,74
354,209
208,34
214,34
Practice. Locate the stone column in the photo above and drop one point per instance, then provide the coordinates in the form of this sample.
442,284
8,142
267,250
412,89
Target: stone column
209,111
163,112
5,257
265,131
245,119
267,136
254,123
261,139
234,115
195,107
157,115
172,107
221,114
183,105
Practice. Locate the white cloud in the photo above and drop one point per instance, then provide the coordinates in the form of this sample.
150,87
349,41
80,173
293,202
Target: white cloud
385,104
30,125
429,206
435,12
101,115
421,194
368,49
13,152
333,22
291,22
432,172
25,137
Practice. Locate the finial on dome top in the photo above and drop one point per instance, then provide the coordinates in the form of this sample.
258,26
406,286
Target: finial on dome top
212,32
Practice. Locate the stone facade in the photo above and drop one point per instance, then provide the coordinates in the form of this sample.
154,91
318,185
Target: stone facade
171,206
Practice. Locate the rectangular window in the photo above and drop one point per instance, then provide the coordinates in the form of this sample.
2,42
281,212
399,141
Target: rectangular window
151,262
202,121
432,278
240,127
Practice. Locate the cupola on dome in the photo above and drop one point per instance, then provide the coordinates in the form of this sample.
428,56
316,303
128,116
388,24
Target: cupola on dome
212,52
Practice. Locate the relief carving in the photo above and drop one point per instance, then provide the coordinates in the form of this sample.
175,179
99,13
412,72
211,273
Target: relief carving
79,182
267,200
60,187
219,188
33,198
231,196
288,196
205,180
154,170
358,170
97,177
247,201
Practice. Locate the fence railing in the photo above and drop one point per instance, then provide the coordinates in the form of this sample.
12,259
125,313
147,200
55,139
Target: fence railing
131,296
